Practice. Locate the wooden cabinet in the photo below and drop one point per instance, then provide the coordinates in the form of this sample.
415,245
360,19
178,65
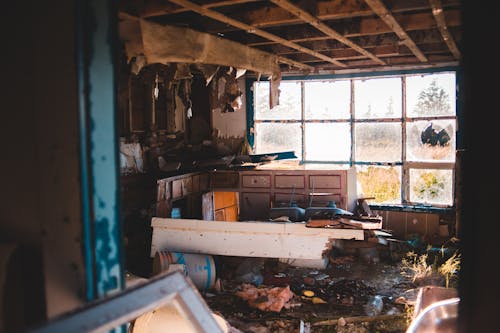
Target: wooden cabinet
249,195
262,189
221,206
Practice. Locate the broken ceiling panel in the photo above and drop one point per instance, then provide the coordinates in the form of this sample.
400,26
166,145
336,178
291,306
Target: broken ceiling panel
161,44
327,36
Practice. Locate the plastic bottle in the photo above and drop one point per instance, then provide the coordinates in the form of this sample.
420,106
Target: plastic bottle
374,306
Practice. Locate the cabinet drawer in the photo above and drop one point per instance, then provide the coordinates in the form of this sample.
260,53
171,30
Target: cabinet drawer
289,181
325,181
260,181
224,179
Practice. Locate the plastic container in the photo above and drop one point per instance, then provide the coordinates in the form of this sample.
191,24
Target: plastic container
200,268
176,213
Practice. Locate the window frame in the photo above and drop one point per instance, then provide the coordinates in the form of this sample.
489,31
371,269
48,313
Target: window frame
404,120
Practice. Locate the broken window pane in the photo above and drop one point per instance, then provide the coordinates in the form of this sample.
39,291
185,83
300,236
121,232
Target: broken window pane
383,183
431,186
378,142
328,142
290,103
278,137
377,98
431,141
430,95
327,100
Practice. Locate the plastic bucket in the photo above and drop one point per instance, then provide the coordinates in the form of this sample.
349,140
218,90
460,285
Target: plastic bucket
200,268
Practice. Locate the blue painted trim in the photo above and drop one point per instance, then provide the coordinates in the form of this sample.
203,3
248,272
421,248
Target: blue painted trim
85,169
103,234
249,110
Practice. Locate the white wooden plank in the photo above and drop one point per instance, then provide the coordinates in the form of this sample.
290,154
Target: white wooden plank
248,239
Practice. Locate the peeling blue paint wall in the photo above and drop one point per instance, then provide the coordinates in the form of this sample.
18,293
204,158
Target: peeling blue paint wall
103,244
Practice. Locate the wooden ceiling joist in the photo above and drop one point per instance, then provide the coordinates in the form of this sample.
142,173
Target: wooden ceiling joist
372,26
437,11
315,22
379,8
223,18
153,9
424,42
386,51
329,10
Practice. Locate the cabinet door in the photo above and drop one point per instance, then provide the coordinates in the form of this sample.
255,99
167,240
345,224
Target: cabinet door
254,206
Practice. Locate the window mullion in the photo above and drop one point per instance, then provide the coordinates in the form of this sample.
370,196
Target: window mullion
405,185
352,111
302,119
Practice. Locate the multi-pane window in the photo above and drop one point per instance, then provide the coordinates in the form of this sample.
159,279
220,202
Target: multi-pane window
398,131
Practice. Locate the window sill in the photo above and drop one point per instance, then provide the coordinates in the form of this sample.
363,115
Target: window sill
414,208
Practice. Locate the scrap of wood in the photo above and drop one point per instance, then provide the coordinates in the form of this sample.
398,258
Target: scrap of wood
359,319
248,239
329,224
344,222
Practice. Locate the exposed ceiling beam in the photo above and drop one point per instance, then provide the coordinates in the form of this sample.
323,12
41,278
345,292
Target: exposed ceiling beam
379,50
436,59
437,11
370,43
379,8
153,9
222,18
363,27
294,63
429,43
329,10
393,67
315,22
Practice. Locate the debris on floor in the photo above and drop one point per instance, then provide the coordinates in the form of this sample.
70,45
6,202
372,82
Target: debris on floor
267,298
368,283
351,294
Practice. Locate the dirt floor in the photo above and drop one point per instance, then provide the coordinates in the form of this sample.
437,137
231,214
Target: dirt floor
259,295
